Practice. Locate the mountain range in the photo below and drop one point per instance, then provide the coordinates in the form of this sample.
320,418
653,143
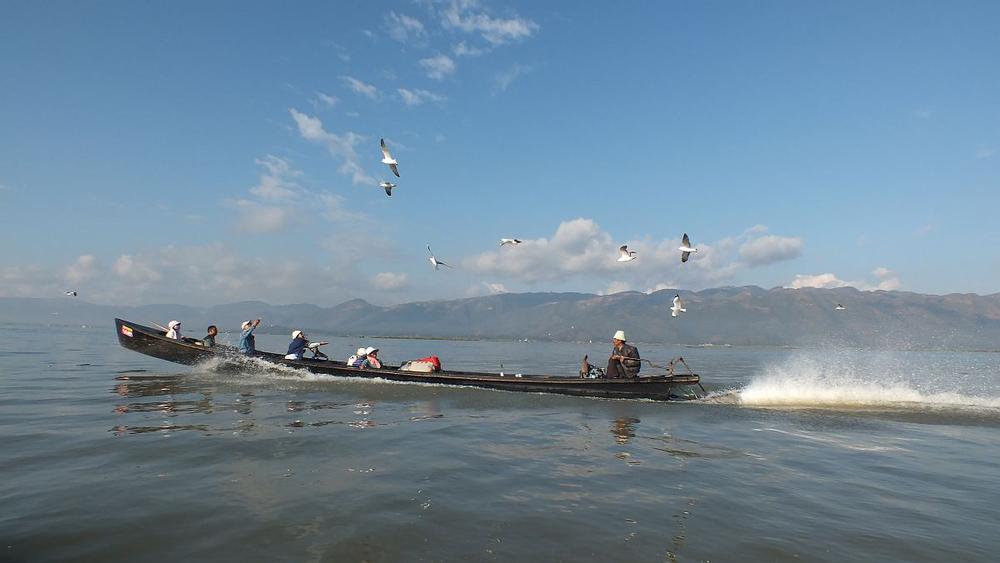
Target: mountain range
728,315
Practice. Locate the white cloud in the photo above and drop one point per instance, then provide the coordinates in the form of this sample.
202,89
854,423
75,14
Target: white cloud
438,66
507,77
404,28
335,210
827,281
417,97
83,269
340,146
616,287
275,183
216,273
470,17
390,281
769,249
326,99
580,249
463,49
135,271
256,217
887,280
362,88
494,288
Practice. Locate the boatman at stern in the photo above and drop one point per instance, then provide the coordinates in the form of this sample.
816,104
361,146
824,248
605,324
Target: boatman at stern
624,360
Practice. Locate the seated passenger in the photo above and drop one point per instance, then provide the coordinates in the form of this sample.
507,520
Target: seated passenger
209,340
248,343
371,359
174,330
355,359
297,346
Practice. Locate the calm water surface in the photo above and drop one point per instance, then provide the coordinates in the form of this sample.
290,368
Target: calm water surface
814,455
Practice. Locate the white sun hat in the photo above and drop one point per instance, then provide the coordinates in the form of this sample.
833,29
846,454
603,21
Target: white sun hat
245,325
362,351
620,335
369,350
297,333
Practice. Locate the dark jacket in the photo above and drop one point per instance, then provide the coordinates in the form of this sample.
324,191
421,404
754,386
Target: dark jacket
297,346
631,362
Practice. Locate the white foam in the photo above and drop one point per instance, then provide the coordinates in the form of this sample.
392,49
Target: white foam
811,382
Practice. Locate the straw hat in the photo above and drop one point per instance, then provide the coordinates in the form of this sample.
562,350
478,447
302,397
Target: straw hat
620,335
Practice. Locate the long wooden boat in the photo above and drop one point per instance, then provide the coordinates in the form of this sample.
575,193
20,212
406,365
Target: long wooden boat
153,342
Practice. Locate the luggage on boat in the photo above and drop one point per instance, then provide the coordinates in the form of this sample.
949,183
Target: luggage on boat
430,364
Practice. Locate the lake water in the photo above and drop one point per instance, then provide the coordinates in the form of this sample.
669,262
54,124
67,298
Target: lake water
804,455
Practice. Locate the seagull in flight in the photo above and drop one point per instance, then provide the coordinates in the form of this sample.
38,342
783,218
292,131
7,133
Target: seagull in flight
387,186
678,307
625,255
510,241
388,160
434,261
71,294
840,307
686,248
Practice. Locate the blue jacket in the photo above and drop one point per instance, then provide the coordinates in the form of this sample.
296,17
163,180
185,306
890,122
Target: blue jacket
297,346
248,344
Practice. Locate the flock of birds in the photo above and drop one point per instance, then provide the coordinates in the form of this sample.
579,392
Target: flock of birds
624,254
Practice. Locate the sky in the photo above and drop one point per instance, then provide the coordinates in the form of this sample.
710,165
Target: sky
202,153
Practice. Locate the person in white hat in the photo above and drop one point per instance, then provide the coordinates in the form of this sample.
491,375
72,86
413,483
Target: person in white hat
356,358
248,343
297,346
371,359
624,360
174,330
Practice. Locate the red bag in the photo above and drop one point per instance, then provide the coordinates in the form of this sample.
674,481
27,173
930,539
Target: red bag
431,360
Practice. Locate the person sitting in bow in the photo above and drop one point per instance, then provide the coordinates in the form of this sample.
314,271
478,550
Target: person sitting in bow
297,346
624,360
371,359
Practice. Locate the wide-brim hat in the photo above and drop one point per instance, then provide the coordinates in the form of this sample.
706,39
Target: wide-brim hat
362,351
297,333
620,335
369,350
246,325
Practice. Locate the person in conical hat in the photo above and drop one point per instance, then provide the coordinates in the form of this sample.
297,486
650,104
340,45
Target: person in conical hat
624,360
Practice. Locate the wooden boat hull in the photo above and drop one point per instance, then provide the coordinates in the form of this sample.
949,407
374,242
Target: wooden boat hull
152,342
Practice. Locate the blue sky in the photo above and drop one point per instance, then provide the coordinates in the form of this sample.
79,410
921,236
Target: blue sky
207,153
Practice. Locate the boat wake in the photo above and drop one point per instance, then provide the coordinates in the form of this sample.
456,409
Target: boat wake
805,382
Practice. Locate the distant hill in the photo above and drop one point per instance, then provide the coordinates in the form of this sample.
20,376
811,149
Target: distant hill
729,315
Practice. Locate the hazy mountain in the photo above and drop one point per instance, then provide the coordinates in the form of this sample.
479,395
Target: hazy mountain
730,315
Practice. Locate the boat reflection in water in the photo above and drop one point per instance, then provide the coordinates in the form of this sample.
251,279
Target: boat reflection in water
623,429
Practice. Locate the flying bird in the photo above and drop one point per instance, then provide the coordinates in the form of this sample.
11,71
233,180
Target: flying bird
387,186
510,241
686,248
678,307
840,307
71,293
434,261
625,255
388,160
